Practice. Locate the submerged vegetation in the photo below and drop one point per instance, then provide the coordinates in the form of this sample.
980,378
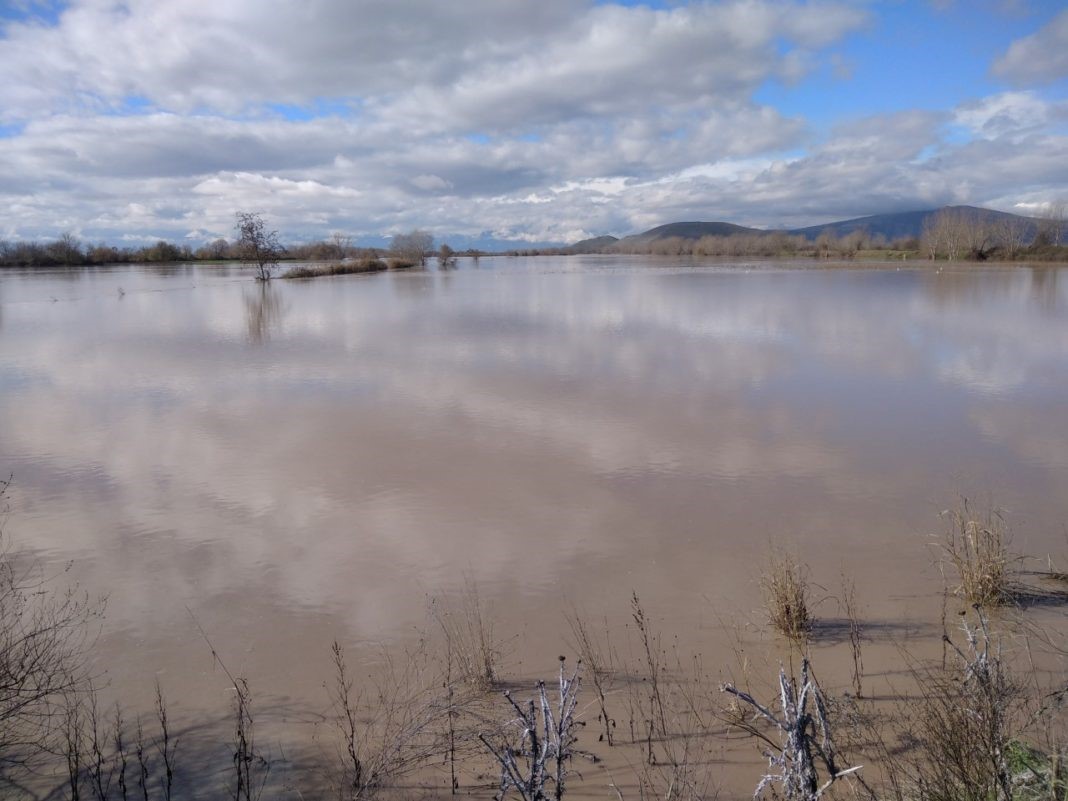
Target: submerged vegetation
785,585
254,244
644,716
976,545
365,265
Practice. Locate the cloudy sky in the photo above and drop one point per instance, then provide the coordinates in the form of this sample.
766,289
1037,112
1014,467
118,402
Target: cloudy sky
524,120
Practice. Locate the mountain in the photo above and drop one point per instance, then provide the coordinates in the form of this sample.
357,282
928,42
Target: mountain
689,230
598,244
906,224
899,225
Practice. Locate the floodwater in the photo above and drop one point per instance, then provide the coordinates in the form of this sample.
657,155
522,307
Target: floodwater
285,465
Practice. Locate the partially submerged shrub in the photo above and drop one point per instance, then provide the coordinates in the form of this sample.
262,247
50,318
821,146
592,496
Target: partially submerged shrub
302,272
389,730
976,545
804,764
470,649
539,761
786,591
1036,775
367,265
965,723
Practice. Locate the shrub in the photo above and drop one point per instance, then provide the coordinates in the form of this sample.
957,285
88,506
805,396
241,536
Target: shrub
976,545
786,595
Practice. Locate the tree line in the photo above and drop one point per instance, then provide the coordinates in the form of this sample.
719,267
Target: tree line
67,250
952,233
254,243
961,233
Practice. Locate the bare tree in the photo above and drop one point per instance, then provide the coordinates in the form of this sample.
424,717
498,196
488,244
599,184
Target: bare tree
257,245
446,256
977,233
217,249
342,243
67,250
412,247
1052,224
1011,233
947,233
853,242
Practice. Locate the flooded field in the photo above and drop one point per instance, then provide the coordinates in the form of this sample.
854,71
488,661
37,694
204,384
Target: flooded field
273,468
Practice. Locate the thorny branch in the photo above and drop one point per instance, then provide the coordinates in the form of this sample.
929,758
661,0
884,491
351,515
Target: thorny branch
805,738
546,742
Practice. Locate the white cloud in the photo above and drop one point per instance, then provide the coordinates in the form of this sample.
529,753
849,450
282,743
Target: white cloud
1039,58
430,183
1006,113
159,119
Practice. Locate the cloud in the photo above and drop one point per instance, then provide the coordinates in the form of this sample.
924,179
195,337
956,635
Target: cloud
226,55
104,177
615,60
1039,58
1007,113
159,119
485,61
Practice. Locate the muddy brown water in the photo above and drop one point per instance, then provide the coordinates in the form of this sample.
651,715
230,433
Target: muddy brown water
286,465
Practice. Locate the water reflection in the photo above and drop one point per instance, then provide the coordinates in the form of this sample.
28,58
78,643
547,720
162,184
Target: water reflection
1044,288
588,427
264,312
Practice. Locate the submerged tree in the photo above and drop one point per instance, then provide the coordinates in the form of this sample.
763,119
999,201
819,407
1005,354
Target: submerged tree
257,245
411,248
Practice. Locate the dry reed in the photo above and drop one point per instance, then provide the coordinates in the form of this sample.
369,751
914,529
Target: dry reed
976,545
785,585
598,664
471,651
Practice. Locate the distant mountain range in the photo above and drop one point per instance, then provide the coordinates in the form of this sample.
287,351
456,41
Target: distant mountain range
900,225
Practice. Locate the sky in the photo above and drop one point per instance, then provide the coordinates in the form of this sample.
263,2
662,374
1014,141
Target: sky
537,121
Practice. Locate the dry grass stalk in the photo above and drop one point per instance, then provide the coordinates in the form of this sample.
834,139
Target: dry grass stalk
352,774
682,768
73,745
650,642
785,586
100,770
251,768
546,742
166,745
144,767
598,664
849,606
976,545
122,756
804,738
468,632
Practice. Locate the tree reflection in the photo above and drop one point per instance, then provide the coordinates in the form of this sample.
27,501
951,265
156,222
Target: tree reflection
264,311
1044,290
